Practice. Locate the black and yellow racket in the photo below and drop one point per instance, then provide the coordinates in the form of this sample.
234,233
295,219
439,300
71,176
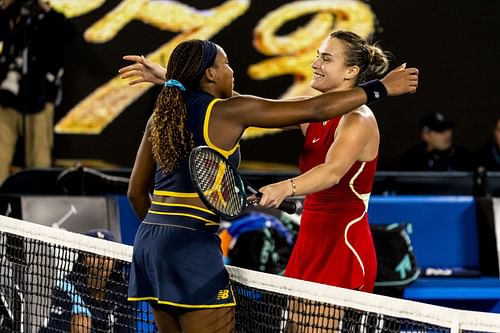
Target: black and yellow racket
220,186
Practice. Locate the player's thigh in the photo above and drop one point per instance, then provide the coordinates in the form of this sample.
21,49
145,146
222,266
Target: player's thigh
166,321
219,320
312,317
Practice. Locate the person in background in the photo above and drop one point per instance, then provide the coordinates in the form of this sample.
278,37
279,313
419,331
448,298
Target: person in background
177,263
92,297
32,38
436,152
488,156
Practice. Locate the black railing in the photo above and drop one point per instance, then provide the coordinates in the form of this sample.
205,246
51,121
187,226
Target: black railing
87,181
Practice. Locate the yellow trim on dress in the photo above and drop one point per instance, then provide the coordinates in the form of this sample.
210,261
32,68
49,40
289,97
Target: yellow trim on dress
226,153
208,222
183,205
211,306
176,194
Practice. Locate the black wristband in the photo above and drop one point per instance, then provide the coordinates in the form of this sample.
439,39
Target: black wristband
375,91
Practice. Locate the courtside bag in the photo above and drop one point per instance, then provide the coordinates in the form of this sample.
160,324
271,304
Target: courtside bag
260,242
397,265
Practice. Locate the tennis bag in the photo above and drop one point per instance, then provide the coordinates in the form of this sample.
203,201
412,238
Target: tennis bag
397,265
259,242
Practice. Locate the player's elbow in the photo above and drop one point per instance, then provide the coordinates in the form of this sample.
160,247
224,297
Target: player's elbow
331,180
135,194
329,176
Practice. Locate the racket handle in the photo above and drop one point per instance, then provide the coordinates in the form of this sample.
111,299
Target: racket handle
288,206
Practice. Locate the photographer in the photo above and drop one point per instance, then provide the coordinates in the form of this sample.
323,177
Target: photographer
32,38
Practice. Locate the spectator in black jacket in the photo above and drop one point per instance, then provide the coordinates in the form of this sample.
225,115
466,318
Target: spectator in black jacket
488,156
436,152
32,37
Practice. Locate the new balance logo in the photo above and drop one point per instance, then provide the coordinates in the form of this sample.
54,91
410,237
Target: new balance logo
223,294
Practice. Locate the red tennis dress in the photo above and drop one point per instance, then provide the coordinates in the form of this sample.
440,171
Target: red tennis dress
335,245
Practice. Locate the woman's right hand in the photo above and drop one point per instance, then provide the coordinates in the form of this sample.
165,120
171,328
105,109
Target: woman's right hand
143,70
274,194
401,80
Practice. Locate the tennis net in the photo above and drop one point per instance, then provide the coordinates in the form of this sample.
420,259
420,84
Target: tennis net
49,277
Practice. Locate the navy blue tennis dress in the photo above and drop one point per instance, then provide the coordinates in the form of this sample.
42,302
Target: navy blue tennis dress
177,259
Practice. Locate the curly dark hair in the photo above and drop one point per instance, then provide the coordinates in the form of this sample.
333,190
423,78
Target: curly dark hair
171,140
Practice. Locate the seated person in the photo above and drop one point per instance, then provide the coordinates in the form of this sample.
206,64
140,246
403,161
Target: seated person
436,152
488,156
92,297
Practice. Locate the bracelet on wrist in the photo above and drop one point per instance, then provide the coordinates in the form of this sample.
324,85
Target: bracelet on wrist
294,187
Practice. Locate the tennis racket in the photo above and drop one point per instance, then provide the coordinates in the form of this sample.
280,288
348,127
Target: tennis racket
220,186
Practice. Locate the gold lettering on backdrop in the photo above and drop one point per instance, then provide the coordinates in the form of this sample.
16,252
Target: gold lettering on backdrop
72,8
294,53
291,54
96,111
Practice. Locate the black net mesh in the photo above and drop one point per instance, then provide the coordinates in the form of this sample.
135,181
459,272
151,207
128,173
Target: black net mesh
263,311
44,286
53,280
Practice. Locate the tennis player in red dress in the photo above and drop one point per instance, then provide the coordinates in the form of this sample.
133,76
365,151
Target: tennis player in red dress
334,245
337,165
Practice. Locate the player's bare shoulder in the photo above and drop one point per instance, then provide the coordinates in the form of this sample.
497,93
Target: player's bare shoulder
359,114
364,110
361,118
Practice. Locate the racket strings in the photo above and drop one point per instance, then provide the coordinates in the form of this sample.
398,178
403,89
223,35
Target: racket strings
218,183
